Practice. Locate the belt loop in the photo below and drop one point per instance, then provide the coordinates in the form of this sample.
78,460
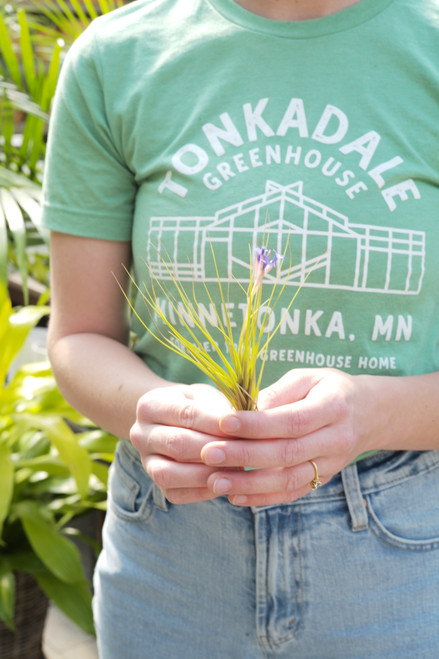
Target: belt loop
354,497
159,498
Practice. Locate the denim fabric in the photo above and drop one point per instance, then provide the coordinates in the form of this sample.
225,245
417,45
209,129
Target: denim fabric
351,570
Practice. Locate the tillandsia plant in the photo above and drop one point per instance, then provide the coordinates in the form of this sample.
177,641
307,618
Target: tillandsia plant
234,370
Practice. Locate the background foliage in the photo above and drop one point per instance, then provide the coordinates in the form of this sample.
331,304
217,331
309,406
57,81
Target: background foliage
53,462
53,468
34,38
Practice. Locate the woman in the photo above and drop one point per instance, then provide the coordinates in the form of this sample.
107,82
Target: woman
182,124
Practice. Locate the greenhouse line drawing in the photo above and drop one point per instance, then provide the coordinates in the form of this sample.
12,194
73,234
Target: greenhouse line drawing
374,259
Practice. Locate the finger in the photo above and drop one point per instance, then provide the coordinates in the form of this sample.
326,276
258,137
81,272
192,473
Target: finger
328,442
289,421
189,495
291,387
275,498
182,407
288,481
179,444
168,475
260,453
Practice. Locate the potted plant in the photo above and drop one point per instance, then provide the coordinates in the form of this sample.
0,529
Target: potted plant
50,473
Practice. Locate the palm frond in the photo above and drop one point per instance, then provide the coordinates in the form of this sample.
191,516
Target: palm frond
20,100
19,208
68,20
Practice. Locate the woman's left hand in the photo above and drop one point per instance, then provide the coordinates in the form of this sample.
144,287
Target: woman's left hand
323,415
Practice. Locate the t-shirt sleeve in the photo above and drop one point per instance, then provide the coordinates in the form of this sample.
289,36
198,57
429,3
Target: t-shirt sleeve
88,189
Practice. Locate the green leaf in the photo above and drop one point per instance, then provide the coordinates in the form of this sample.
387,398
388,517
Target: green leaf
25,561
51,78
14,328
15,221
7,594
98,441
66,442
9,179
77,6
9,56
101,472
3,251
32,208
52,465
26,52
21,100
72,23
6,482
57,553
34,145
72,599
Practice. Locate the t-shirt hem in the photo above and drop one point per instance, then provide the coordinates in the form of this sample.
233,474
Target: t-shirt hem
86,225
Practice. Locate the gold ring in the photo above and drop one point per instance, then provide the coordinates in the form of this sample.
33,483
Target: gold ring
314,484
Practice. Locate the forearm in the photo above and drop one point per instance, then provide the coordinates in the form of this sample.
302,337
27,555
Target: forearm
102,379
404,413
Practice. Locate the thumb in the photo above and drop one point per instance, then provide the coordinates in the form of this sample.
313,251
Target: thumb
291,387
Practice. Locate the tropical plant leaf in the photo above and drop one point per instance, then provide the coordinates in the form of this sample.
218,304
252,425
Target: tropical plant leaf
26,52
28,81
26,200
98,441
21,100
24,561
101,470
10,179
66,443
52,465
14,328
7,594
20,195
74,601
12,64
6,482
50,78
71,18
57,553
15,221
3,255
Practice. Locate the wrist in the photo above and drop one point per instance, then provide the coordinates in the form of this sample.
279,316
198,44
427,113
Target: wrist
402,412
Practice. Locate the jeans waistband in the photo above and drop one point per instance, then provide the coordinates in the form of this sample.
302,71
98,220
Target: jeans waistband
380,471
377,472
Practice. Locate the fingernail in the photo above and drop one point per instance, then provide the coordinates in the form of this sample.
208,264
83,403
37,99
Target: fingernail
229,423
222,485
214,456
240,500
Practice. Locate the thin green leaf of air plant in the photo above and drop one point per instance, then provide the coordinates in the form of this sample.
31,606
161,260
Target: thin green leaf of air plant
235,374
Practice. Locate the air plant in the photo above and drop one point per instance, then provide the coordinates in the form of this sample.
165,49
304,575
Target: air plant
236,370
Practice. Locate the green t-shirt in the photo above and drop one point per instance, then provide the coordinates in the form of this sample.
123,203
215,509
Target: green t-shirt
184,123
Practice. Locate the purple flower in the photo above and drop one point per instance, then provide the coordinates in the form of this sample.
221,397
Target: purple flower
264,256
264,263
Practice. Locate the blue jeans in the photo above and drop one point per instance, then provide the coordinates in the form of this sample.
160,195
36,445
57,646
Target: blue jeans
351,570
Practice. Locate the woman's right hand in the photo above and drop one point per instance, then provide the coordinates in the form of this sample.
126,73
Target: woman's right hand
173,424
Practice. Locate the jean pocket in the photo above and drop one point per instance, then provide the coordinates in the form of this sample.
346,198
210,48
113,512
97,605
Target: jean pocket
131,491
406,515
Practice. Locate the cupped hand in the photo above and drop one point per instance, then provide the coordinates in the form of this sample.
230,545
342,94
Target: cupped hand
173,424
323,415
